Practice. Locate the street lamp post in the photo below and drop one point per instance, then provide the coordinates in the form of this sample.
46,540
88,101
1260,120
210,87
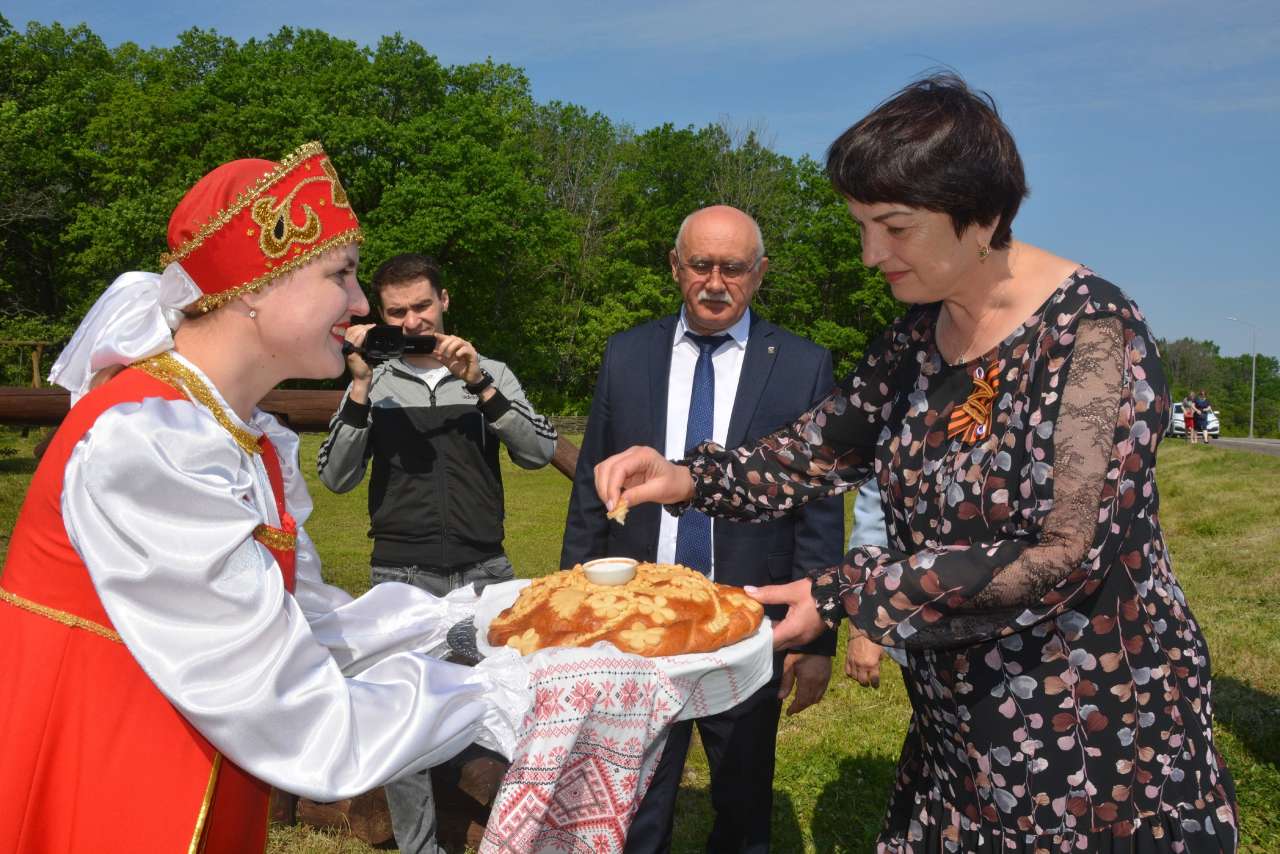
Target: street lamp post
1253,374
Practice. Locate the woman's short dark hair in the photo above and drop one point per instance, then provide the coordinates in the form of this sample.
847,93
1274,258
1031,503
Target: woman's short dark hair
409,267
938,145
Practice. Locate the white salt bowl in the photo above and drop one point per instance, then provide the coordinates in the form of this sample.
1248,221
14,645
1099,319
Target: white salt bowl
610,571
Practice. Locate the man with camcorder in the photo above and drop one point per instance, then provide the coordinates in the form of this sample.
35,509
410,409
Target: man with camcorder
430,412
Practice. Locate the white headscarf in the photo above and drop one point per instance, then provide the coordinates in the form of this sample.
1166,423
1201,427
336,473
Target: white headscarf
134,318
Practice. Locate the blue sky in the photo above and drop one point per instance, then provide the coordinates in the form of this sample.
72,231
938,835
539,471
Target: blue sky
1150,129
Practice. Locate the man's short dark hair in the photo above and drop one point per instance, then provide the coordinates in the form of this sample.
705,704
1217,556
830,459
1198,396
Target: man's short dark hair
938,145
408,267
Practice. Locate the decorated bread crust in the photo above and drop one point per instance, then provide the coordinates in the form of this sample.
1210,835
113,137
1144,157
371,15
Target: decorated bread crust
666,609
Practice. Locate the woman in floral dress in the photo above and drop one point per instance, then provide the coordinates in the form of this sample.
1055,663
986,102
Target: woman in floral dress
1059,683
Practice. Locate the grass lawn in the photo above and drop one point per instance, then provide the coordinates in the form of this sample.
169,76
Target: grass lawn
836,760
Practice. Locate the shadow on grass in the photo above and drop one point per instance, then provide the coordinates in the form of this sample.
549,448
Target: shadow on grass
694,817
849,810
18,465
1253,717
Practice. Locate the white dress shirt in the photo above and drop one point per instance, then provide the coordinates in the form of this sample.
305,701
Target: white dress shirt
727,363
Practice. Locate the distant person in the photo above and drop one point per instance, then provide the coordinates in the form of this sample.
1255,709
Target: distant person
715,371
1202,415
1189,416
1061,694
432,425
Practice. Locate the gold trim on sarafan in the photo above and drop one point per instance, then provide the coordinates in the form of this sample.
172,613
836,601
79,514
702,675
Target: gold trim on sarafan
57,616
209,302
275,538
171,372
197,838
242,200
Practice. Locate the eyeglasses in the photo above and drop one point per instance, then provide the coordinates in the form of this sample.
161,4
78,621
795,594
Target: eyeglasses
729,270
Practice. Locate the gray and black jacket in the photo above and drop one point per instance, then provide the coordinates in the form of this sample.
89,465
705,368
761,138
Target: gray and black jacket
435,497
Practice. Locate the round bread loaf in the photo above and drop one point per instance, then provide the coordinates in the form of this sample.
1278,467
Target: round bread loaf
666,609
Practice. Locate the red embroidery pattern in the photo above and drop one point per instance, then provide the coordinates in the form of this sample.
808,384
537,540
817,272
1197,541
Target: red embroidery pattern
588,749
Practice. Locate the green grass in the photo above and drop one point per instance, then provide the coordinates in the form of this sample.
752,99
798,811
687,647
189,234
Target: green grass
836,760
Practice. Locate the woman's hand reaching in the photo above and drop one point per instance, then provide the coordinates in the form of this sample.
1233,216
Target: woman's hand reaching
640,474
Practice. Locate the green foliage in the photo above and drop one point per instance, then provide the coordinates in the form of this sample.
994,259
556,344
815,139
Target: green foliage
552,224
22,335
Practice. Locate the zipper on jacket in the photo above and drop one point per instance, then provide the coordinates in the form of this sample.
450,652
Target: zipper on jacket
442,481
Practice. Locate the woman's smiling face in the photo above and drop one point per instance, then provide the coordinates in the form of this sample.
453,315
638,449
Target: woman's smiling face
302,319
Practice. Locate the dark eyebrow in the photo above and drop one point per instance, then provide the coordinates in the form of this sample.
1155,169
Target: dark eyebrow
885,216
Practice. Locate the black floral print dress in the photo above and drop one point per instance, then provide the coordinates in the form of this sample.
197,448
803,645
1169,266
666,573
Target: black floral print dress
1059,683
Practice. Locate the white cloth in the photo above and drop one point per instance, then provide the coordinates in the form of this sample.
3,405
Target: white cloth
727,363
316,693
133,319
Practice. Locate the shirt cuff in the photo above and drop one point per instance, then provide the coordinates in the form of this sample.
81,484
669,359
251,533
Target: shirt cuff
354,414
495,407
826,592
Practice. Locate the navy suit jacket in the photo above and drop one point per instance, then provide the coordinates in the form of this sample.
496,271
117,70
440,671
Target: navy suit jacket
782,376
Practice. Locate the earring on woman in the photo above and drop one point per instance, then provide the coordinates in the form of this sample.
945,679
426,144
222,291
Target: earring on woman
983,251
253,313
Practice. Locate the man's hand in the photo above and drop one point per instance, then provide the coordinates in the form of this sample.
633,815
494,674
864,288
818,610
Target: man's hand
802,623
809,674
361,373
641,474
862,661
458,356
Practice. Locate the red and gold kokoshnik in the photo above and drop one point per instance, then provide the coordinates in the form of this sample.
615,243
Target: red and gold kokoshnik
286,218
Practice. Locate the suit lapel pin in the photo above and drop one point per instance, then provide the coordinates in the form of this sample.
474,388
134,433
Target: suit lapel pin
772,349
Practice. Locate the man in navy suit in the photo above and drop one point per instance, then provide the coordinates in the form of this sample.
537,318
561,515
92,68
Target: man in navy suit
714,371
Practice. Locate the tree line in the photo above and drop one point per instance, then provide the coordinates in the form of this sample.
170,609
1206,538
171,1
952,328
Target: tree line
551,223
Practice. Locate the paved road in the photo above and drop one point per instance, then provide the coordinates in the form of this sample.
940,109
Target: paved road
1260,446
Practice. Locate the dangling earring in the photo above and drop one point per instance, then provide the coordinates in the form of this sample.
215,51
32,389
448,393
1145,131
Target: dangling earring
983,251
253,313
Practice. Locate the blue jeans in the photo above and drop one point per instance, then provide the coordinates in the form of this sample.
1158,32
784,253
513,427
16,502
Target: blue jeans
412,805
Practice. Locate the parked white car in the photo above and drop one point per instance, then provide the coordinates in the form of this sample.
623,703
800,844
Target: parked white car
1178,426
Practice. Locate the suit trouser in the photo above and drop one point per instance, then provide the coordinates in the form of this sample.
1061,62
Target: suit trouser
410,799
740,746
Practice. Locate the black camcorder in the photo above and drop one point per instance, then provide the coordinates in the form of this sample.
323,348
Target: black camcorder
384,342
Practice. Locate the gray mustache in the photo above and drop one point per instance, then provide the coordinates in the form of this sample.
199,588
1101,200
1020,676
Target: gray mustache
720,296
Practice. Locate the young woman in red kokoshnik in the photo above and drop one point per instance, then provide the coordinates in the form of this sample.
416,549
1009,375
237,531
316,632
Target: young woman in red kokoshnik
168,650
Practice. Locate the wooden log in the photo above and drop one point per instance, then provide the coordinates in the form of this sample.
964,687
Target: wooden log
365,817
32,407
305,411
